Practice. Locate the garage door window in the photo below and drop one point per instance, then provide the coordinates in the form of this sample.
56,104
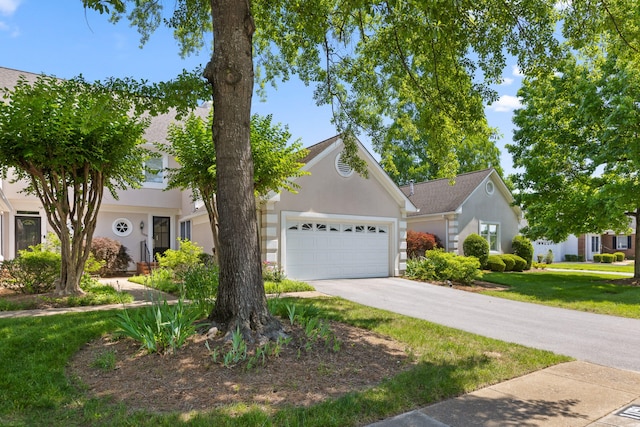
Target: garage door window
337,228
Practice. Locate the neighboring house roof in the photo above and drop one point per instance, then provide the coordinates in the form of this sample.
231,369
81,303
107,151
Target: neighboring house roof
9,77
439,196
318,148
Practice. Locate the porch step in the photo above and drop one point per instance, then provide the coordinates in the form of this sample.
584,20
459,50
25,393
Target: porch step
145,268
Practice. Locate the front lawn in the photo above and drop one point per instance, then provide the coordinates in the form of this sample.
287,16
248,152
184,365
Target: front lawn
590,266
590,292
36,351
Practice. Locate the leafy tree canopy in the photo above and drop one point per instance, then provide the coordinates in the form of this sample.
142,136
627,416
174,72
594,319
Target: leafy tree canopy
69,140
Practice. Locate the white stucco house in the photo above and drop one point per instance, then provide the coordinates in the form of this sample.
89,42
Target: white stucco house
338,225
475,202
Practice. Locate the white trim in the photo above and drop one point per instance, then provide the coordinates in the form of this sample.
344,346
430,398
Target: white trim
498,250
118,223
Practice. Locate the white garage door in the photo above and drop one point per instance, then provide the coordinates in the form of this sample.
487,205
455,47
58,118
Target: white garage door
326,250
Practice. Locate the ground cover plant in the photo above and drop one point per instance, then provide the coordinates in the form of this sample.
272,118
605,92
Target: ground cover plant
40,386
95,293
592,292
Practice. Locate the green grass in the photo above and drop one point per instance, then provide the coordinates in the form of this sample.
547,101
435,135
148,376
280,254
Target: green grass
96,294
590,292
590,266
35,351
286,285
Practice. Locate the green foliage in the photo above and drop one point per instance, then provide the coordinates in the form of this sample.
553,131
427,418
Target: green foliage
619,256
159,327
200,284
161,279
573,258
608,258
105,361
496,263
180,260
548,258
272,272
69,140
34,271
597,257
419,242
523,247
520,264
509,262
477,246
439,265
286,285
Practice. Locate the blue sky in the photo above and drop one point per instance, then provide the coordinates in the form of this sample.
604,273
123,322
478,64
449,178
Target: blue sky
60,38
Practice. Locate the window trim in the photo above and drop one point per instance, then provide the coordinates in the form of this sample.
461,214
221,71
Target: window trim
151,184
498,248
115,229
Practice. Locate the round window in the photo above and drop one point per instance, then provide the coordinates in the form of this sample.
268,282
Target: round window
343,167
490,187
122,227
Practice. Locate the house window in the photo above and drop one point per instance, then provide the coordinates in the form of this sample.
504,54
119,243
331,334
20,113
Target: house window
154,172
491,232
623,242
185,230
595,244
122,227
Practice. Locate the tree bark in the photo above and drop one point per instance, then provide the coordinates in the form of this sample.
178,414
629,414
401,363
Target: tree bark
241,301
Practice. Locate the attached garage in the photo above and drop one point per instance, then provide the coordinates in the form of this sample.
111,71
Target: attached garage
327,250
338,224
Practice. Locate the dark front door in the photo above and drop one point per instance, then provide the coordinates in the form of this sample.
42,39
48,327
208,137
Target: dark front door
27,232
161,234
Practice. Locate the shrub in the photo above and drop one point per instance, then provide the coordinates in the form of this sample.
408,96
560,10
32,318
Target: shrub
34,271
540,258
548,258
495,263
597,257
477,246
115,256
179,261
509,262
608,258
419,242
523,248
439,265
619,256
272,272
571,257
521,263
201,287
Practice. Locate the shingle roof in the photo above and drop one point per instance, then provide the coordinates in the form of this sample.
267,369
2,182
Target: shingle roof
9,77
318,148
439,196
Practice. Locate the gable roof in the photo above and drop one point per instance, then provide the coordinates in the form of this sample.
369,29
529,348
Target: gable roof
318,151
439,196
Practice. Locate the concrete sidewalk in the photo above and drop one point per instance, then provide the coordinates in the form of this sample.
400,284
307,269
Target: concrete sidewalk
572,394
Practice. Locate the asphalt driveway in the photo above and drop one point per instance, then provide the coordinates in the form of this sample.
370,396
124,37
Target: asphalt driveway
605,340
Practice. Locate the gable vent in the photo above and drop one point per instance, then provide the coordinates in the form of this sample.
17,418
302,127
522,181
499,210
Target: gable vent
343,168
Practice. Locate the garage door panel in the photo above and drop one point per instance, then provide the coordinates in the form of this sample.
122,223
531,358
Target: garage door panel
324,250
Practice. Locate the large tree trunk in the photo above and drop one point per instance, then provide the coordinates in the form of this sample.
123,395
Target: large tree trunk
241,301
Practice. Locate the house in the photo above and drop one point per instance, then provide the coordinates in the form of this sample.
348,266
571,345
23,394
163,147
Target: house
476,202
338,225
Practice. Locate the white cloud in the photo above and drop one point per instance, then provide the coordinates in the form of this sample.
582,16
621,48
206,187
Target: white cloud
506,103
516,71
7,7
506,81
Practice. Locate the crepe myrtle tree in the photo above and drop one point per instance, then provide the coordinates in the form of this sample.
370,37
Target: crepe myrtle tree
276,161
411,63
68,140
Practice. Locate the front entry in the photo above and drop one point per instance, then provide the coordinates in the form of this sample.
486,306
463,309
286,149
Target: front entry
28,232
161,234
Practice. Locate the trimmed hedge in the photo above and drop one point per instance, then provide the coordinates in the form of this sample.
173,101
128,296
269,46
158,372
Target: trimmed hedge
439,265
597,257
522,247
477,246
509,262
573,258
520,263
619,256
495,263
608,258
